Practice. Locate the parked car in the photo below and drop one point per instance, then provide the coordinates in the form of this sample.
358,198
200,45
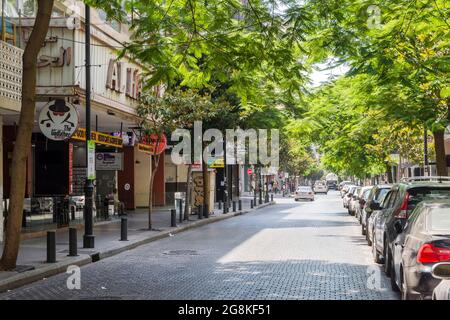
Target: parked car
353,201
376,196
399,203
344,186
332,185
442,271
304,193
320,187
362,199
423,242
348,196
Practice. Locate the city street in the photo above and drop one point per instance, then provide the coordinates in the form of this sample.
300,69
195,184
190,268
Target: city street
290,250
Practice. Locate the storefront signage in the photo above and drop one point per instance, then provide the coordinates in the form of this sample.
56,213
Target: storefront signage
91,160
109,161
58,120
217,163
133,84
153,145
100,138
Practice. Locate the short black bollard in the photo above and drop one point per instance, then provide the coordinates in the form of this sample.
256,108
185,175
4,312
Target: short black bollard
51,246
173,217
254,199
271,197
234,206
200,212
240,205
72,212
181,211
220,205
251,204
73,245
123,229
205,212
225,207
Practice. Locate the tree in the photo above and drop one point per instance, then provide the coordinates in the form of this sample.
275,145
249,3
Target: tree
177,109
24,130
23,138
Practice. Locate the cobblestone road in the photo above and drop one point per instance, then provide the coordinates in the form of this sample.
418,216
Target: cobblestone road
286,251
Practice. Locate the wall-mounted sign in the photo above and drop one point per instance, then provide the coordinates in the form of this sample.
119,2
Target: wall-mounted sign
216,163
151,142
91,160
58,120
109,161
100,138
64,58
133,83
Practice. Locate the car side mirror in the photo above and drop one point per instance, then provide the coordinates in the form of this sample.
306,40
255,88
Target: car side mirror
441,271
398,226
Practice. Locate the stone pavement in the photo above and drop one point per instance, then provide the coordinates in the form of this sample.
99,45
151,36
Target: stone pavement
32,254
287,251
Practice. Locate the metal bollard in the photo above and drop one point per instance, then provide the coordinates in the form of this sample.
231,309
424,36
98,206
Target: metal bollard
72,212
251,204
225,207
240,205
234,206
200,212
220,205
73,244
51,246
271,197
173,217
124,229
181,211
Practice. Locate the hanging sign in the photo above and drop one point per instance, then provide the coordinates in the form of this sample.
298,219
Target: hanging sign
109,161
91,160
58,120
151,142
99,137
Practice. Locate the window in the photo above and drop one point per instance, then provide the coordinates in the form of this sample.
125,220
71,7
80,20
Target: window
386,199
439,219
112,23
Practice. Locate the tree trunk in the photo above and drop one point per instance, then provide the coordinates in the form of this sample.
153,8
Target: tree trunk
439,146
23,139
188,193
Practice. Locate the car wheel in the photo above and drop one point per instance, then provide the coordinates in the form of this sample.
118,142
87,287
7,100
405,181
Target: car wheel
375,254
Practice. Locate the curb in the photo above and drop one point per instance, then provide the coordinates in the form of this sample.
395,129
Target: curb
49,270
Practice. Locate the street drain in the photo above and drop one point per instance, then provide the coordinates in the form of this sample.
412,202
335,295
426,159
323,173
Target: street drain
180,253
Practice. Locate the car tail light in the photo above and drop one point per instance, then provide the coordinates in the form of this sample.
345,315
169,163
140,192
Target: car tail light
429,253
402,213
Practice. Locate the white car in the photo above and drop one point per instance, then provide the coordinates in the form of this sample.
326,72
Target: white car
304,193
320,188
348,196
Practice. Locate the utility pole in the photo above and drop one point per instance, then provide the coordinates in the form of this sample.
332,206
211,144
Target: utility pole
88,238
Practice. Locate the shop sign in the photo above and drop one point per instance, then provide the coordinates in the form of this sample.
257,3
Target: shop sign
99,137
91,160
58,120
216,163
109,161
153,145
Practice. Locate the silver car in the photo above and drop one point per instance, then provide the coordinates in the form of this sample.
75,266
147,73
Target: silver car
304,193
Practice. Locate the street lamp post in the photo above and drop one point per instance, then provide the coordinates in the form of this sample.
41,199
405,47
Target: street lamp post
88,238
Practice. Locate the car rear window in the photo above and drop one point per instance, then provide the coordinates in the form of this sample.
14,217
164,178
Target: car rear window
418,195
439,219
304,189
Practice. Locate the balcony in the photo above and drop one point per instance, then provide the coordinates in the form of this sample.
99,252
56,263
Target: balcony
10,76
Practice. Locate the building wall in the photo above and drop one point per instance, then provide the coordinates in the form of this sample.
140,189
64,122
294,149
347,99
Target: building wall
1,181
142,172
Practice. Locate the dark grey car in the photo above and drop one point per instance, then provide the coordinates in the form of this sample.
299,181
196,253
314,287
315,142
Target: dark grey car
419,246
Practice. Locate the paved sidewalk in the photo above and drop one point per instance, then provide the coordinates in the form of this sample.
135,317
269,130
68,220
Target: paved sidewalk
31,261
